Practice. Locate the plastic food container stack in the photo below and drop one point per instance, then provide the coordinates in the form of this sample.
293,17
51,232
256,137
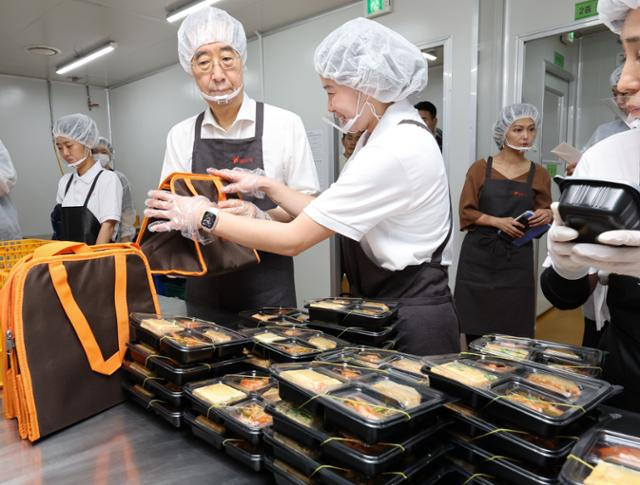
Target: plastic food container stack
340,423
229,413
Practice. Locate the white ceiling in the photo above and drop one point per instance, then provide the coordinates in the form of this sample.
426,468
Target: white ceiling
146,41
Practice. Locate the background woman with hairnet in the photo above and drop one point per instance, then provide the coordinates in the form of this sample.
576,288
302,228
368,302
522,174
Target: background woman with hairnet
616,258
9,227
391,200
89,199
495,290
104,154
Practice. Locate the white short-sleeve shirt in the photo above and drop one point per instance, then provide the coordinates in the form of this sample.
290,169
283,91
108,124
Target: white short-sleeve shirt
106,200
286,152
614,158
392,195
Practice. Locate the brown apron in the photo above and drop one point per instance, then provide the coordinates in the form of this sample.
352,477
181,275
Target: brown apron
271,283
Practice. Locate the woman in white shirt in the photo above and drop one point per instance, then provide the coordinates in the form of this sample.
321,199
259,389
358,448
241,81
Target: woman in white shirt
89,200
391,201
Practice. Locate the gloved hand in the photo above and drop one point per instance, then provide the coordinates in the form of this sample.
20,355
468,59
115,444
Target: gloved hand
607,257
560,248
245,208
5,188
242,180
181,213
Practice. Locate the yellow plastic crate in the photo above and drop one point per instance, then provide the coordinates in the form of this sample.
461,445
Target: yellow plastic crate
10,253
13,251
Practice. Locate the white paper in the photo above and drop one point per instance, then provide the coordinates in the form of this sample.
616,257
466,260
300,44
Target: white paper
318,142
567,153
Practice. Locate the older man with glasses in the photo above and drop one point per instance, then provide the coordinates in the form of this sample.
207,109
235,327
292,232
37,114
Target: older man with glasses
236,131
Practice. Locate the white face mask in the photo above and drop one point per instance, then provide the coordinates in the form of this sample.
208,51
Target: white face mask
520,149
103,158
79,162
347,125
222,99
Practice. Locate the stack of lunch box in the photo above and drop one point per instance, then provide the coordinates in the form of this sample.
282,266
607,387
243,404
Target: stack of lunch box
519,412
354,422
167,352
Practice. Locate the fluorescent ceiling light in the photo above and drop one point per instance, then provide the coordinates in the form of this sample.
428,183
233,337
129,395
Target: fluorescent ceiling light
88,57
187,9
429,57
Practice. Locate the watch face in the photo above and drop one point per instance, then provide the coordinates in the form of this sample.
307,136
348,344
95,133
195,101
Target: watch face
208,220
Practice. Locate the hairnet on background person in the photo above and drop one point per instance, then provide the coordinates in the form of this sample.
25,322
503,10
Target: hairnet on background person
104,142
613,12
614,79
207,26
77,127
509,115
373,59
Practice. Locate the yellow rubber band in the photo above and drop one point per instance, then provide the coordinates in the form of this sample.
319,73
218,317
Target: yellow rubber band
352,440
533,399
580,460
399,474
144,383
500,457
342,399
476,475
155,355
497,430
321,467
230,440
151,403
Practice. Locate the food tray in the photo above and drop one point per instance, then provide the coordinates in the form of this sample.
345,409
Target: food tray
583,361
250,455
274,316
353,312
285,474
502,467
592,207
531,449
205,429
320,376
186,339
177,373
166,391
382,408
302,458
610,450
358,335
246,419
278,344
371,460
149,401
297,423
534,398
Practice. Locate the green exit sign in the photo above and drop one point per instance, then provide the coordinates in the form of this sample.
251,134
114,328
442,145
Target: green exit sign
558,59
373,8
587,9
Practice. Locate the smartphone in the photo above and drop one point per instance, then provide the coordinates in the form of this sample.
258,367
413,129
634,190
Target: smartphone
529,232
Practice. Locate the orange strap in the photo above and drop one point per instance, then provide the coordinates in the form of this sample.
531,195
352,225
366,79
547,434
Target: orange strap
60,247
88,341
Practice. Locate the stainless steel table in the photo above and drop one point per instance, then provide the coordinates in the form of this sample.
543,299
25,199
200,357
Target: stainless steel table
124,445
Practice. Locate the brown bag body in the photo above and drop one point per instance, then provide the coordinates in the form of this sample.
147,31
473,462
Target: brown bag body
172,254
67,310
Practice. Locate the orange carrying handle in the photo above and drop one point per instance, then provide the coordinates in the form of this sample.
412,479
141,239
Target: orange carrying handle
80,324
60,247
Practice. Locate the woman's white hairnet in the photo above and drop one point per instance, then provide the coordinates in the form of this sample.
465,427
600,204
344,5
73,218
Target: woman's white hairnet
509,115
207,26
613,12
614,79
104,142
373,59
77,127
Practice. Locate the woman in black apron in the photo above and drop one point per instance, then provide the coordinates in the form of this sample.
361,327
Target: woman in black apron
495,290
399,226
75,135
270,283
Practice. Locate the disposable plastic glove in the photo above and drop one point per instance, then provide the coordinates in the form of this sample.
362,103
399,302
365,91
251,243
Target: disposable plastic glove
560,248
241,180
244,208
181,213
606,256
5,188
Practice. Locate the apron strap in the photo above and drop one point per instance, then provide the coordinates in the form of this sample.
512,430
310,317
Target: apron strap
93,186
489,169
68,186
436,257
259,119
532,172
198,127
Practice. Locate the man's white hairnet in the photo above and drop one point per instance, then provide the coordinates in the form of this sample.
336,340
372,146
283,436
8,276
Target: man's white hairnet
614,79
509,115
613,12
207,26
104,142
373,59
77,127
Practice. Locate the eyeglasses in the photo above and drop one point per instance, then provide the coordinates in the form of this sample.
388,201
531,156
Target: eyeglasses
205,64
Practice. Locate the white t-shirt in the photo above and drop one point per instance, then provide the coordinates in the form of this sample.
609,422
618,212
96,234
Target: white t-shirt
393,194
106,200
614,158
286,152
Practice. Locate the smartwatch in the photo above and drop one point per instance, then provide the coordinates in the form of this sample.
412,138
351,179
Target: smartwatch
209,218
